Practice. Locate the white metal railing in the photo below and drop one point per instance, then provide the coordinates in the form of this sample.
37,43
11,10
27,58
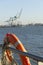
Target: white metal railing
34,57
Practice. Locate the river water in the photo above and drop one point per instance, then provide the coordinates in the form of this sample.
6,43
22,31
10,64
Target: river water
31,37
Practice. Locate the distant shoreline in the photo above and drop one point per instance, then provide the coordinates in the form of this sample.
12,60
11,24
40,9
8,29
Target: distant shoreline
37,24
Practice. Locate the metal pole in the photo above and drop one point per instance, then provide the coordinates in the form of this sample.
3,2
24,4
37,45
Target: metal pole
34,57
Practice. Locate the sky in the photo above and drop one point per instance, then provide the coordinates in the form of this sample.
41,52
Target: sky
32,10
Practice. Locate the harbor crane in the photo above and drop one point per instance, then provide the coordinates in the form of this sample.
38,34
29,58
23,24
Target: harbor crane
12,19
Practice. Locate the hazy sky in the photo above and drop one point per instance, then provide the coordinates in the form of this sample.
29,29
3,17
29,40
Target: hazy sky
32,10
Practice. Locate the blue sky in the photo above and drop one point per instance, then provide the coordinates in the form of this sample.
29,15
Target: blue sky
32,10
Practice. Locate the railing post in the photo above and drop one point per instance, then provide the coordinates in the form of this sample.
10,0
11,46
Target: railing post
40,63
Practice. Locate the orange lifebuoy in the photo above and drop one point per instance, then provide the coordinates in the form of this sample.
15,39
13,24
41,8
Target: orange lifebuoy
14,40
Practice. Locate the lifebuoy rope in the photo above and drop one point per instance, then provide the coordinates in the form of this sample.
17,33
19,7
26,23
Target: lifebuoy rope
4,49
